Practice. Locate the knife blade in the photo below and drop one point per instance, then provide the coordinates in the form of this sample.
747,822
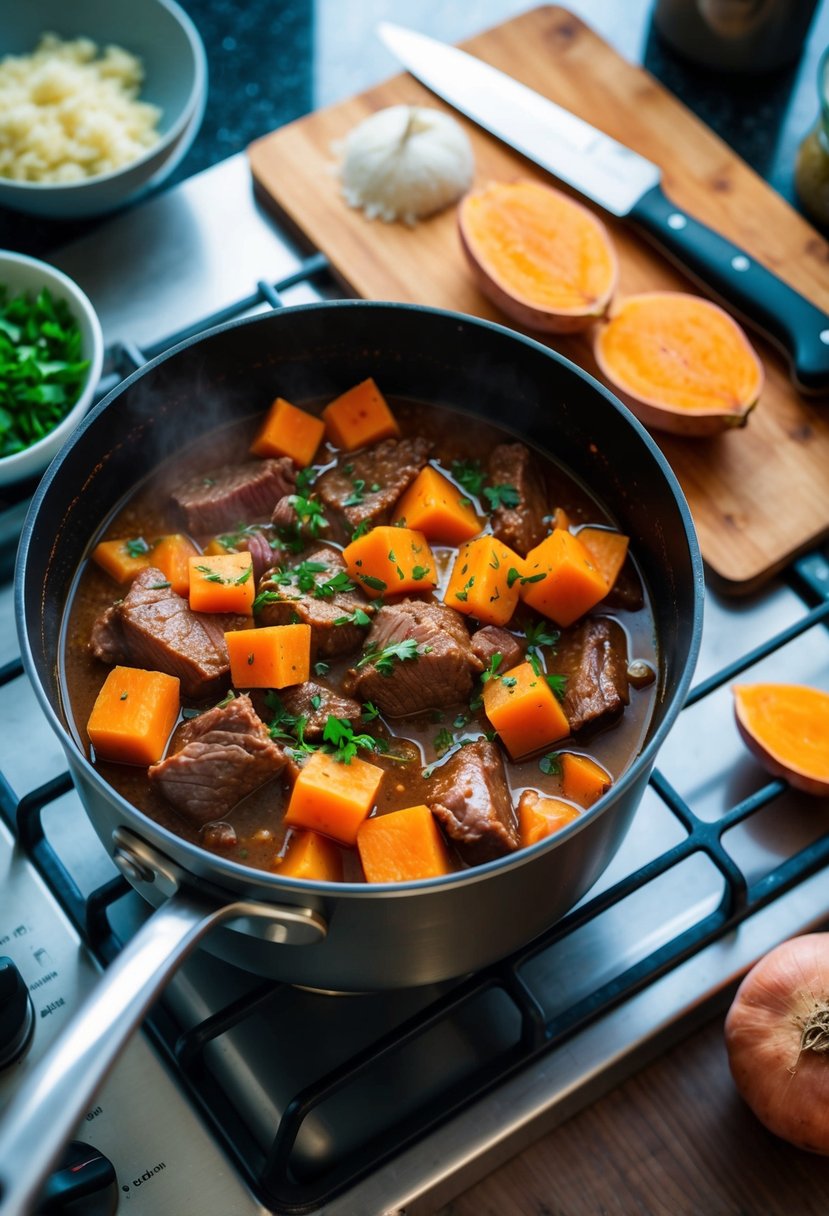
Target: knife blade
625,184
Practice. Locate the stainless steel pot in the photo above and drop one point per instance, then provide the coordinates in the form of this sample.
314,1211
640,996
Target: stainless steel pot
333,936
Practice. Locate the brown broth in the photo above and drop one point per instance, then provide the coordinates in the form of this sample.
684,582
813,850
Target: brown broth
258,819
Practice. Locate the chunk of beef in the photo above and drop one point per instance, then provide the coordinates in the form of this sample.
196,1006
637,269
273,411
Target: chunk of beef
593,656
226,754
233,494
317,605
315,703
300,521
492,640
391,466
440,673
262,553
522,526
471,801
627,591
153,627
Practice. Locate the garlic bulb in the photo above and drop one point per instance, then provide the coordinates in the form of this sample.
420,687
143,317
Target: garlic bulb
406,162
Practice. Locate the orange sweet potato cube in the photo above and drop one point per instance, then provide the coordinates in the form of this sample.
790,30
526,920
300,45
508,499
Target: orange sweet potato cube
134,715
122,559
310,855
359,417
485,580
561,579
539,817
171,554
274,656
438,509
524,710
582,779
391,561
402,845
332,797
289,431
222,583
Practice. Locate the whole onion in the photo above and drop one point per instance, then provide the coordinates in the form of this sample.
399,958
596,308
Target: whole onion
777,1038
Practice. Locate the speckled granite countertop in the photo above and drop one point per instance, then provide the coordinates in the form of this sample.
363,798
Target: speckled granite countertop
271,61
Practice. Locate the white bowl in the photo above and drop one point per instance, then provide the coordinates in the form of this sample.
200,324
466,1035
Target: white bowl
161,34
19,273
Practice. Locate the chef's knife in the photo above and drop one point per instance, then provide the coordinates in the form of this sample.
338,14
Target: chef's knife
625,184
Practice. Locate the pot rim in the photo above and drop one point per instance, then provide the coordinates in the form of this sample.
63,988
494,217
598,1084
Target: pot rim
234,873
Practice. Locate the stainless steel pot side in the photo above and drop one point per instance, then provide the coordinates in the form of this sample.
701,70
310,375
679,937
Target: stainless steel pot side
348,937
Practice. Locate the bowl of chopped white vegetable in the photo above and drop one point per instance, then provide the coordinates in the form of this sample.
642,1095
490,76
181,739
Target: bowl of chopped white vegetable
51,355
98,102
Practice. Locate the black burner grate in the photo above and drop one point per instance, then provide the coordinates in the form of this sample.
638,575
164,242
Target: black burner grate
274,1173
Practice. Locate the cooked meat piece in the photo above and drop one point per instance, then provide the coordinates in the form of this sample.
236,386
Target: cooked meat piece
391,466
439,675
593,656
315,703
492,640
317,606
626,592
153,627
308,524
471,801
522,526
226,753
233,494
263,555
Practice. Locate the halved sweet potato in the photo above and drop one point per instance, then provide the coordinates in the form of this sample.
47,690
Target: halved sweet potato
680,363
538,255
786,726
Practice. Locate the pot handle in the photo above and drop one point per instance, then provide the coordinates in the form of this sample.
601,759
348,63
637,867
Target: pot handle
40,1120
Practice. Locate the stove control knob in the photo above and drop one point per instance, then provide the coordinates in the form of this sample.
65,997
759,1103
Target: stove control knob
84,1184
16,1014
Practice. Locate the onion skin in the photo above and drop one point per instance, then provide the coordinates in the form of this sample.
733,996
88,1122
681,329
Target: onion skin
785,1083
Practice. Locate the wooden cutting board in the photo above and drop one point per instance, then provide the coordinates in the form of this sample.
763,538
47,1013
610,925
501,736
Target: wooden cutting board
759,495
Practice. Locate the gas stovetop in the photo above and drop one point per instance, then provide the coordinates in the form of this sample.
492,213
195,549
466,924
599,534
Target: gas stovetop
245,1096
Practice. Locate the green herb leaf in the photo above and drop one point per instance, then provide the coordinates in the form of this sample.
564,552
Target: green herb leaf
550,764
468,474
136,547
501,496
384,660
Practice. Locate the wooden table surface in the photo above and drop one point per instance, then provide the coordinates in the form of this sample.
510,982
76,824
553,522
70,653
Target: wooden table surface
673,1140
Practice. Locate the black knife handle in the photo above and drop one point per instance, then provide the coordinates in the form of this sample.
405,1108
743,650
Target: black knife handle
752,291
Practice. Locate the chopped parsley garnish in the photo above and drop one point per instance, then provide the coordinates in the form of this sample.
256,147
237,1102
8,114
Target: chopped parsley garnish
136,547
305,478
344,743
357,493
550,764
558,684
160,586
243,577
491,672
444,739
463,594
514,575
229,696
321,668
420,572
316,701
469,475
385,659
361,529
370,711
211,576
501,496
357,617
376,584
333,586
265,597
124,696
42,371
539,634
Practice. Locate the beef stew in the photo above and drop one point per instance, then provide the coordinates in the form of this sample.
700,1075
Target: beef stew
394,682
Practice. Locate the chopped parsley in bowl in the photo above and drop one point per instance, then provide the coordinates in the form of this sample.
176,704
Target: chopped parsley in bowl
51,352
